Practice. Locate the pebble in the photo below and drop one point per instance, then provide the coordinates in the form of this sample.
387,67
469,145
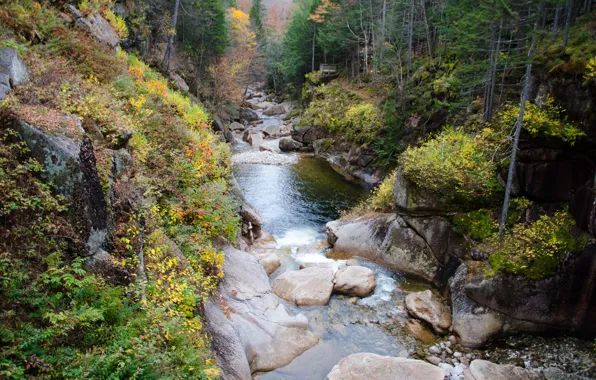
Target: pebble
264,158
448,350
468,356
433,360
434,350
448,368
452,339
448,344
457,354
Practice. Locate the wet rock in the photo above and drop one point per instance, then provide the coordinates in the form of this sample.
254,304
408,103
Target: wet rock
287,144
271,130
307,287
276,109
420,332
236,126
485,370
355,281
271,146
248,115
375,367
250,327
425,306
97,26
270,262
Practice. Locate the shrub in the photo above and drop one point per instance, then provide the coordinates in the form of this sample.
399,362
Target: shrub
117,23
382,198
545,119
478,224
536,250
340,111
455,165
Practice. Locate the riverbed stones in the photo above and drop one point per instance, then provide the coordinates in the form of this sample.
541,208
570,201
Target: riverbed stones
306,287
376,367
271,146
420,332
355,281
271,130
236,126
276,109
287,144
426,307
485,370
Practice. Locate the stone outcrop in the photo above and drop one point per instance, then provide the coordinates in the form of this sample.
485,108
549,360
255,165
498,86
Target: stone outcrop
236,126
354,281
97,26
252,331
179,82
13,71
306,287
269,260
412,201
390,240
426,307
307,135
375,367
70,165
485,370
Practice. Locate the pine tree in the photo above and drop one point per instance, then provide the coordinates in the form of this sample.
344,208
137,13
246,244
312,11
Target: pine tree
257,14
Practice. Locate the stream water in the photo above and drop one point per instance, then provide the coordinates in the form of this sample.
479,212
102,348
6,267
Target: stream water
296,201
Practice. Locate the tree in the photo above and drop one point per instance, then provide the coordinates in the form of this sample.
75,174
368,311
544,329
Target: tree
519,123
257,14
172,35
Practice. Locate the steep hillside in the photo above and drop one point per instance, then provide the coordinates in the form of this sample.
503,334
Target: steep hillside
113,192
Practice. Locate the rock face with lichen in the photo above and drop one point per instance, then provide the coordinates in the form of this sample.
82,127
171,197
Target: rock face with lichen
13,71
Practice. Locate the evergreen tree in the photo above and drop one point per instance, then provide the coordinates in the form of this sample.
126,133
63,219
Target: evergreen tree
257,14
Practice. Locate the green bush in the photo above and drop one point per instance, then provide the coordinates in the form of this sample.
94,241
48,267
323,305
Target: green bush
478,224
536,250
338,110
455,165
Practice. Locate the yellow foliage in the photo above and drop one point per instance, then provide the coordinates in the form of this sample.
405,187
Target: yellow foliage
117,23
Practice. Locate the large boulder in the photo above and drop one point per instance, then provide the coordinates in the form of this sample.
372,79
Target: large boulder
426,307
236,126
271,146
13,71
248,115
308,135
287,144
251,329
306,287
97,26
276,109
12,66
474,324
355,281
409,200
389,240
180,83
375,367
485,370
271,130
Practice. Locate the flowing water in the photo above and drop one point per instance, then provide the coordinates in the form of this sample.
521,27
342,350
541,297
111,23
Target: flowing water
296,201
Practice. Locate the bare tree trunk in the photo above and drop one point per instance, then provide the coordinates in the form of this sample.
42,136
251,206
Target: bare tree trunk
410,34
382,42
170,49
490,93
518,125
568,15
556,21
426,28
